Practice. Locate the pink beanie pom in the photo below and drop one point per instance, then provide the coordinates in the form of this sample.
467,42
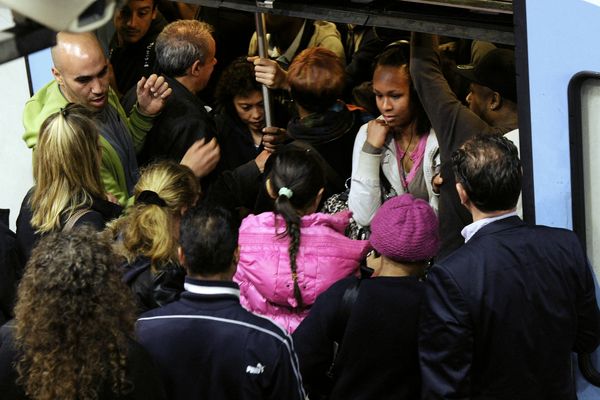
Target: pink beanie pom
405,229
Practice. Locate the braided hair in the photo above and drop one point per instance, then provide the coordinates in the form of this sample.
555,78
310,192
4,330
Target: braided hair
295,178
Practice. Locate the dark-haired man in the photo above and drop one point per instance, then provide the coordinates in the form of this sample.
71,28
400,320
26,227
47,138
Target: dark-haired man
206,345
492,109
131,49
504,312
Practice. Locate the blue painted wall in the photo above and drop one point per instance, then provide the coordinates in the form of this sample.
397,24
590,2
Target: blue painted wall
40,65
562,40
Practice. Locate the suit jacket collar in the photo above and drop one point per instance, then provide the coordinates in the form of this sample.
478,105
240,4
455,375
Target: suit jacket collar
498,226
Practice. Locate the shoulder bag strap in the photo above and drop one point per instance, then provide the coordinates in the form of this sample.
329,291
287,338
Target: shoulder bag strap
70,224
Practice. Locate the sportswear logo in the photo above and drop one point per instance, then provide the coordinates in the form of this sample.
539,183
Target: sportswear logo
259,369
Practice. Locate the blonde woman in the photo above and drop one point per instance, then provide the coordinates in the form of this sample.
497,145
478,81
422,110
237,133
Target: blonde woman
148,234
68,191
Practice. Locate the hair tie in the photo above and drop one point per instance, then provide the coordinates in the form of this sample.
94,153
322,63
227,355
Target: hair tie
64,111
150,197
286,192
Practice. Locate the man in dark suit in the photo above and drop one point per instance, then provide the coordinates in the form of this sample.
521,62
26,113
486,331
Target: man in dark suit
504,312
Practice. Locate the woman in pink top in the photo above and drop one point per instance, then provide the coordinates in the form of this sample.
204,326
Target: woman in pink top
398,152
289,256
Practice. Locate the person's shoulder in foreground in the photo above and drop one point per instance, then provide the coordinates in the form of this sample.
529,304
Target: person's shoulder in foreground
233,354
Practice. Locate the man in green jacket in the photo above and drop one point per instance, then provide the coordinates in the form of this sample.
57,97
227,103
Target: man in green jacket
81,73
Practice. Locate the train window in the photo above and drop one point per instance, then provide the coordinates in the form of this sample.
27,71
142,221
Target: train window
39,67
584,126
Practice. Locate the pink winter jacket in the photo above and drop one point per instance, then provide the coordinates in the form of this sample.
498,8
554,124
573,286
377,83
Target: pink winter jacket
264,275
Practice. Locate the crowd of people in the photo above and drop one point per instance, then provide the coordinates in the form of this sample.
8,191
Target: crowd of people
368,245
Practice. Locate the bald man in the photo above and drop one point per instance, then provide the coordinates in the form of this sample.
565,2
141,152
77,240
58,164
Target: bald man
81,76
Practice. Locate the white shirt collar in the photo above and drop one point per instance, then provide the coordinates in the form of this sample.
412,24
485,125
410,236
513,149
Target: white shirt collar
210,290
471,229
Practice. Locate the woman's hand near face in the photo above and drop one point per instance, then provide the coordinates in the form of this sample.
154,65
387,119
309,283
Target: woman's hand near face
377,131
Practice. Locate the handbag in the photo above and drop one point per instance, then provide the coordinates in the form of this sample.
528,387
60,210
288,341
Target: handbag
339,202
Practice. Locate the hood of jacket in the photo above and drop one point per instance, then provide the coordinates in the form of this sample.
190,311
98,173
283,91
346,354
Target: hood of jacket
325,256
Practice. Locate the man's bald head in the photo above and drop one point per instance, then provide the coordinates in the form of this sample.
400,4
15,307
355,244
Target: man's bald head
81,69
74,45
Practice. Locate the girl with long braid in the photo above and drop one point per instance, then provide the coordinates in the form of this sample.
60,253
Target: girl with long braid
289,256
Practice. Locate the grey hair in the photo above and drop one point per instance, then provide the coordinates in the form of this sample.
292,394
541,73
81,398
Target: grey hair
180,44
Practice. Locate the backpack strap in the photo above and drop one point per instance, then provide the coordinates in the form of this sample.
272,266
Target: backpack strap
348,299
309,31
343,314
76,216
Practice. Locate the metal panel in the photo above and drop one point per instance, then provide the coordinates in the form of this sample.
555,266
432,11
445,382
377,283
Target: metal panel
18,42
471,19
479,5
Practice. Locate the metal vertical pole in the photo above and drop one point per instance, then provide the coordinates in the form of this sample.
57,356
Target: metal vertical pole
261,38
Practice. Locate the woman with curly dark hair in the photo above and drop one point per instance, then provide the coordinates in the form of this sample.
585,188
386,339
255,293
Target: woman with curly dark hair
71,338
240,114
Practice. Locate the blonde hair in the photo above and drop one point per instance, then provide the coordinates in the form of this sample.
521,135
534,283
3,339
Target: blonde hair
66,167
149,229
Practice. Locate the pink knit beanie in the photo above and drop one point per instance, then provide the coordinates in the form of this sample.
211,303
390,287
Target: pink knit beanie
405,229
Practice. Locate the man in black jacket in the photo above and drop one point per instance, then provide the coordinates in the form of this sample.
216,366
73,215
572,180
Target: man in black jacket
206,345
504,312
185,55
131,49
